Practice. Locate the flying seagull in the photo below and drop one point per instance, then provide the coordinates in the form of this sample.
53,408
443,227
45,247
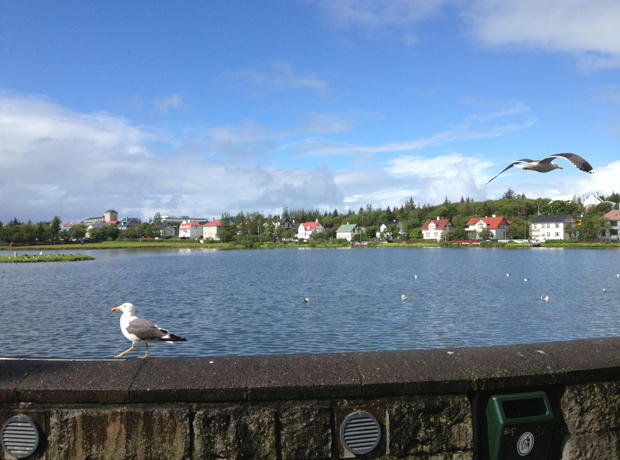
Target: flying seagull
546,164
140,330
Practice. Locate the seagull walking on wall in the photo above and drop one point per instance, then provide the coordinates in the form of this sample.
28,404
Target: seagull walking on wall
140,330
546,164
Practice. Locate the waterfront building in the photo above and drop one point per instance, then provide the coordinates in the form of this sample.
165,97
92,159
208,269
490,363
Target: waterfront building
552,227
611,232
307,229
211,229
190,229
497,225
127,222
348,232
383,226
436,229
166,229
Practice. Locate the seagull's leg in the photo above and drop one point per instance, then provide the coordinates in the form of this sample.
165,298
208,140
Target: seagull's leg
147,351
118,356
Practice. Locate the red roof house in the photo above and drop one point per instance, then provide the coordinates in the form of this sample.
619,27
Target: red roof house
436,229
496,225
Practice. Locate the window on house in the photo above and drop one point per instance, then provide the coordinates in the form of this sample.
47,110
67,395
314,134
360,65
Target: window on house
557,233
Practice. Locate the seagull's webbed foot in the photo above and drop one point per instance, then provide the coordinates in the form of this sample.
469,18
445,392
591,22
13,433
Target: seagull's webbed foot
147,352
127,351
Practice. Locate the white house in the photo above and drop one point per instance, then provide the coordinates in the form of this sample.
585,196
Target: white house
594,200
436,229
190,230
306,229
552,227
567,198
498,226
348,232
385,225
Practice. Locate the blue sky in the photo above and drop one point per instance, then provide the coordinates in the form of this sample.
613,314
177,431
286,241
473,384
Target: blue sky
195,108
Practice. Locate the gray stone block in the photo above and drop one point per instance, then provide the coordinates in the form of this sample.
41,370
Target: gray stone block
306,433
595,446
590,408
431,425
235,433
140,433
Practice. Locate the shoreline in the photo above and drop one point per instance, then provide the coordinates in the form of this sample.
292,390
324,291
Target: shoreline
191,244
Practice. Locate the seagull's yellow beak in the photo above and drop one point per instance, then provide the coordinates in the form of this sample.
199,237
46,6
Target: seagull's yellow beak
116,308
560,167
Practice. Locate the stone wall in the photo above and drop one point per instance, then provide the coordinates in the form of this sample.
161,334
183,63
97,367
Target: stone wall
290,407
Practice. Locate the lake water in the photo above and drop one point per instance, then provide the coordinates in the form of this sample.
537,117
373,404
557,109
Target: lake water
250,302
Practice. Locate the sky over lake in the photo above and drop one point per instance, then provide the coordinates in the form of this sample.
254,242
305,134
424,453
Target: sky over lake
196,108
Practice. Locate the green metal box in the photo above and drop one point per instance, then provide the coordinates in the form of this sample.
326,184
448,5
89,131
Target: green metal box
519,426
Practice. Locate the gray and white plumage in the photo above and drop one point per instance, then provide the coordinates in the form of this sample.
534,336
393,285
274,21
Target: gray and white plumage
546,164
140,330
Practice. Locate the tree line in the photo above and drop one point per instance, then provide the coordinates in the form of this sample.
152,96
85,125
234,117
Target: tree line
248,228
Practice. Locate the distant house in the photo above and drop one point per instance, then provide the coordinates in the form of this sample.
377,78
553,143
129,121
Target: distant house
348,232
127,222
498,227
211,229
67,226
190,229
95,224
552,227
613,217
307,229
594,200
278,222
566,198
183,219
166,229
436,229
383,226
110,215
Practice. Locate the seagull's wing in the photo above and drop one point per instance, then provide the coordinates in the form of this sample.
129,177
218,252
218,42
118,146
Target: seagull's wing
146,330
576,160
525,160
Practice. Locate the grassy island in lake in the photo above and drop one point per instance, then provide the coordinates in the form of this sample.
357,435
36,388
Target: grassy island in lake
28,258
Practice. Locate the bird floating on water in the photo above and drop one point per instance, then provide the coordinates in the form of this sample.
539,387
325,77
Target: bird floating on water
306,300
546,164
140,330
604,291
404,297
545,297
526,279
416,276
507,274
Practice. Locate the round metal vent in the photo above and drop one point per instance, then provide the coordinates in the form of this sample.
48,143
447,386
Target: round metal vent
20,436
360,433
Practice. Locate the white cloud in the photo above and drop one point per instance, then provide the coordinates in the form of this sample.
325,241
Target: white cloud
383,16
282,77
586,28
59,162
473,127
163,104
